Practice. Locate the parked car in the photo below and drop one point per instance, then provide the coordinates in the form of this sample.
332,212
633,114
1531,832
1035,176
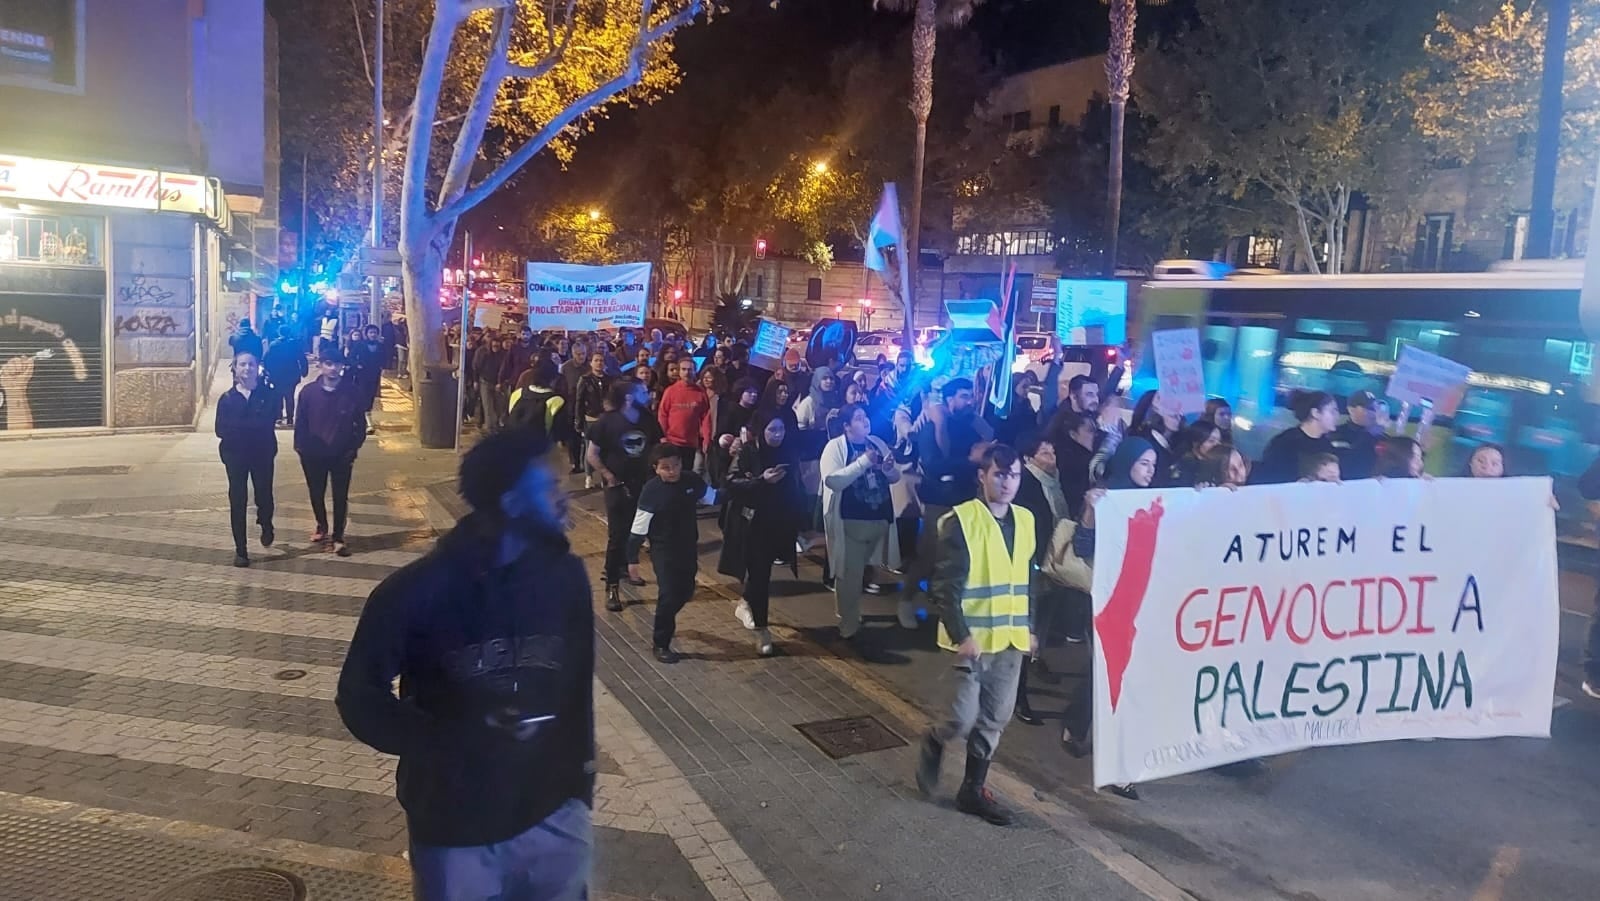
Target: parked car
878,347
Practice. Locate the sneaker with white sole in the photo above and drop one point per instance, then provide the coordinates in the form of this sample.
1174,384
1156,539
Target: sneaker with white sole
1590,689
588,482
742,611
907,614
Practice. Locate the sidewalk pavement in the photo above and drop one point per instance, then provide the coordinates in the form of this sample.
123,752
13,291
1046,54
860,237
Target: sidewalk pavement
166,717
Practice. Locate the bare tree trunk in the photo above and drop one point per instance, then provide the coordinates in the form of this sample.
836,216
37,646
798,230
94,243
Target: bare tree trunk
924,41
1305,240
1119,79
1114,188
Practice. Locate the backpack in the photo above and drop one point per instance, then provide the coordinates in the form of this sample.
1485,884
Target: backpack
1062,565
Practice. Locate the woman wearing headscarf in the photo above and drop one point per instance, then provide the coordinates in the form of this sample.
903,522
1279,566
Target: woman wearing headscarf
763,515
777,401
735,411
1132,465
823,398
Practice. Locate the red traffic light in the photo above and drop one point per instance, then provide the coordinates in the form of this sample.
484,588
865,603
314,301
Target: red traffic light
1111,354
761,248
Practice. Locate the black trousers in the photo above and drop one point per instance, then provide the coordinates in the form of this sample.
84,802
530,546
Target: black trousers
675,584
318,471
241,472
287,399
1079,714
1591,648
621,504
759,551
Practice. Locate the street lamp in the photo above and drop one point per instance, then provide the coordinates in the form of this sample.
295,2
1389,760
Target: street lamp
594,215
819,167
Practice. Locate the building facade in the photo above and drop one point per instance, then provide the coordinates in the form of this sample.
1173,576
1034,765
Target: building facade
133,162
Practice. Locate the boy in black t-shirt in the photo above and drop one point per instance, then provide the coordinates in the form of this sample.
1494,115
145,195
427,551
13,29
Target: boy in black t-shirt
668,516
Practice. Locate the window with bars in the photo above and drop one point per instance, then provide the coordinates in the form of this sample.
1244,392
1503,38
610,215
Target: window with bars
1025,242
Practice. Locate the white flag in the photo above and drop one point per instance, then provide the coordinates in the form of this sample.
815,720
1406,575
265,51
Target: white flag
884,231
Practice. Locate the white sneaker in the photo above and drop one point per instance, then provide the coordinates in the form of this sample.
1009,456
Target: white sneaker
588,482
1590,690
907,612
742,611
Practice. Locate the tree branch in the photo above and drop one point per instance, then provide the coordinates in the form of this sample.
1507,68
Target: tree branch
459,171
424,110
554,57
627,79
366,63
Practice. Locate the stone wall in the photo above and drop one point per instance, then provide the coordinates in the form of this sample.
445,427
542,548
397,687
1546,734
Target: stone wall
153,305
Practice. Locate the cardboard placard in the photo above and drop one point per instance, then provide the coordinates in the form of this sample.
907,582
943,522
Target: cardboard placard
1178,370
1421,379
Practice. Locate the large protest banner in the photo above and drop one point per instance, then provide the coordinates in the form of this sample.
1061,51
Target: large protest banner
1238,624
584,298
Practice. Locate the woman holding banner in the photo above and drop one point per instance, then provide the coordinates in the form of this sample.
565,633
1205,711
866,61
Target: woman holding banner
1133,465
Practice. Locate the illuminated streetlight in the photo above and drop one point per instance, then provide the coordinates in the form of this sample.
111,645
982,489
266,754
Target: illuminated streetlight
819,167
594,215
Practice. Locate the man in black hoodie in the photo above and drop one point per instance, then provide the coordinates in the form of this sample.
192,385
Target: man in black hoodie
492,636
330,427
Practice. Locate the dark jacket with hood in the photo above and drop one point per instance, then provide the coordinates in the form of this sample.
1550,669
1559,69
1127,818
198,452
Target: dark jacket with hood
760,521
468,640
330,425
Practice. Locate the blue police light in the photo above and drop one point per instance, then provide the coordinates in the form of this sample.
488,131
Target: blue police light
288,287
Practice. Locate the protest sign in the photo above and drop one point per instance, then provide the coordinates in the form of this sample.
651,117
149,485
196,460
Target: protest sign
586,298
1238,624
770,343
1091,311
1422,378
1178,370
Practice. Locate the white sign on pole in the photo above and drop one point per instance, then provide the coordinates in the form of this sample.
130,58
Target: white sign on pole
1421,377
585,298
1333,614
1178,370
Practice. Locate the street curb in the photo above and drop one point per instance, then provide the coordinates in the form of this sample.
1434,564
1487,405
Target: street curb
912,720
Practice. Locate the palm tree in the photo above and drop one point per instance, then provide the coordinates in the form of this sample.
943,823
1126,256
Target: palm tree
927,16
1119,79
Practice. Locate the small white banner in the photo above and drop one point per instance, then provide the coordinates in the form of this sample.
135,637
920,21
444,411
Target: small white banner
584,298
1232,625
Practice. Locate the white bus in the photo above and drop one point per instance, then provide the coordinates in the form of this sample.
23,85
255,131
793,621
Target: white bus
1532,389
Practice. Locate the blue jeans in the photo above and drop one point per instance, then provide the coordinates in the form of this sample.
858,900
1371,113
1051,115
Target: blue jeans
549,862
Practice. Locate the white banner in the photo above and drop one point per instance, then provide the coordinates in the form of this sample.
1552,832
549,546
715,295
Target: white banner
585,298
1232,625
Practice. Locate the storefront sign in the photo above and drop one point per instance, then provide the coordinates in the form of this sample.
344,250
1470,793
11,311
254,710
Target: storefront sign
1238,624
55,181
585,298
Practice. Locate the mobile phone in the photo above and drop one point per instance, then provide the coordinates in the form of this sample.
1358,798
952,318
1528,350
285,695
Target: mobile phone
530,720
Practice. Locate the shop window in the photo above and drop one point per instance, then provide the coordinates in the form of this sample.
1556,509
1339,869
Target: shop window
41,44
29,235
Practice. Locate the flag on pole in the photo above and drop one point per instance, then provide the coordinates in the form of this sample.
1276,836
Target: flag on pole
1000,395
884,231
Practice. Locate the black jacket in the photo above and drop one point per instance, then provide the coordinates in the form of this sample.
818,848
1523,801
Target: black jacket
1031,497
286,365
468,640
247,425
590,398
760,521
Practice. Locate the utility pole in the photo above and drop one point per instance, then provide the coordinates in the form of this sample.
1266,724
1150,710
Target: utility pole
1546,154
461,345
377,163
305,243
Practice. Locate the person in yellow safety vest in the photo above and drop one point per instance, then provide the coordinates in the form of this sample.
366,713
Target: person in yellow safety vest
536,405
980,586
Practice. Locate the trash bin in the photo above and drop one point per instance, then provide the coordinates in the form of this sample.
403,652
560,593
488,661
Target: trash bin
435,396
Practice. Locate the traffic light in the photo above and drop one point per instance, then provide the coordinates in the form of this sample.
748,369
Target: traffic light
761,248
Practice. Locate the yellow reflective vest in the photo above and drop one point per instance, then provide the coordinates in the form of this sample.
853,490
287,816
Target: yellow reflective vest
995,602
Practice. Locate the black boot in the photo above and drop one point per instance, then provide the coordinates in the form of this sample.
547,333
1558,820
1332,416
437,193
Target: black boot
975,797
613,597
928,763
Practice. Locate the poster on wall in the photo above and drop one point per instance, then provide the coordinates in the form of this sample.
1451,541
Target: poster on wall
52,362
1334,614
586,298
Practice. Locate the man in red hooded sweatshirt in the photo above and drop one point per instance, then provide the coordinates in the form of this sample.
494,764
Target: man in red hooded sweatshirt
684,406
